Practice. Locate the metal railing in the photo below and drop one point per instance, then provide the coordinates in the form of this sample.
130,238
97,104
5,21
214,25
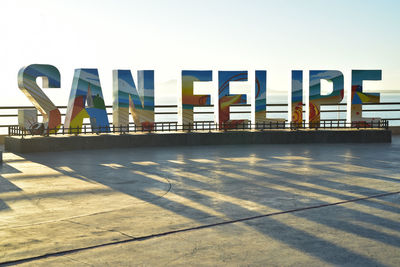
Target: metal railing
163,110
200,127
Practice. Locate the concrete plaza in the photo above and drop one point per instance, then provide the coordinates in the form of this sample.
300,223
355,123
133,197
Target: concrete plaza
237,205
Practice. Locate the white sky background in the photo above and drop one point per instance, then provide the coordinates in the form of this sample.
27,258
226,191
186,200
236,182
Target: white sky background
169,36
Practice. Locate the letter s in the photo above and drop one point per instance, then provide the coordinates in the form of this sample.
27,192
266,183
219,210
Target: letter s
51,79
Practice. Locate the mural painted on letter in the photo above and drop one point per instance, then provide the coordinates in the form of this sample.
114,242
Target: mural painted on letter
316,99
51,79
189,99
139,101
226,99
86,101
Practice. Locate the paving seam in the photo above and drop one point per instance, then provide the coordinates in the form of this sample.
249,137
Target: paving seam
142,238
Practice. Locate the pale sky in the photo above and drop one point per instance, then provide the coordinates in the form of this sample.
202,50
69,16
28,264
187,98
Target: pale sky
169,36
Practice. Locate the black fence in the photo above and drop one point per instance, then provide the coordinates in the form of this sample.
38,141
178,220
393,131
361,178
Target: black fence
201,126
390,111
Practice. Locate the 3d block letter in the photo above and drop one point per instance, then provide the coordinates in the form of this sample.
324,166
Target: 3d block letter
316,99
261,98
358,97
51,79
297,97
86,101
140,101
189,99
225,98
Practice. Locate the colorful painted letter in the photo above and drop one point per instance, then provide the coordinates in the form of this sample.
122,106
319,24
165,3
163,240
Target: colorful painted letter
226,99
51,79
358,97
261,98
316,99
297,97
189,99
140,101
86,101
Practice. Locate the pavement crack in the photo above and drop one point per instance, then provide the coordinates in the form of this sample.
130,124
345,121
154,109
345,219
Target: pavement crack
75,260
103,229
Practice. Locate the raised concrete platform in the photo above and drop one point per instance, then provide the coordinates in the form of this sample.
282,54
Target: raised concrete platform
107,141
395,130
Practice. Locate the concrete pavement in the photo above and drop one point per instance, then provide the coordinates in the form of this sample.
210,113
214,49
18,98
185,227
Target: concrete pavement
258,205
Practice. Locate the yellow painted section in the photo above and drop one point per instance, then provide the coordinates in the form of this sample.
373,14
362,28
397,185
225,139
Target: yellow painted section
364,98
78,120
